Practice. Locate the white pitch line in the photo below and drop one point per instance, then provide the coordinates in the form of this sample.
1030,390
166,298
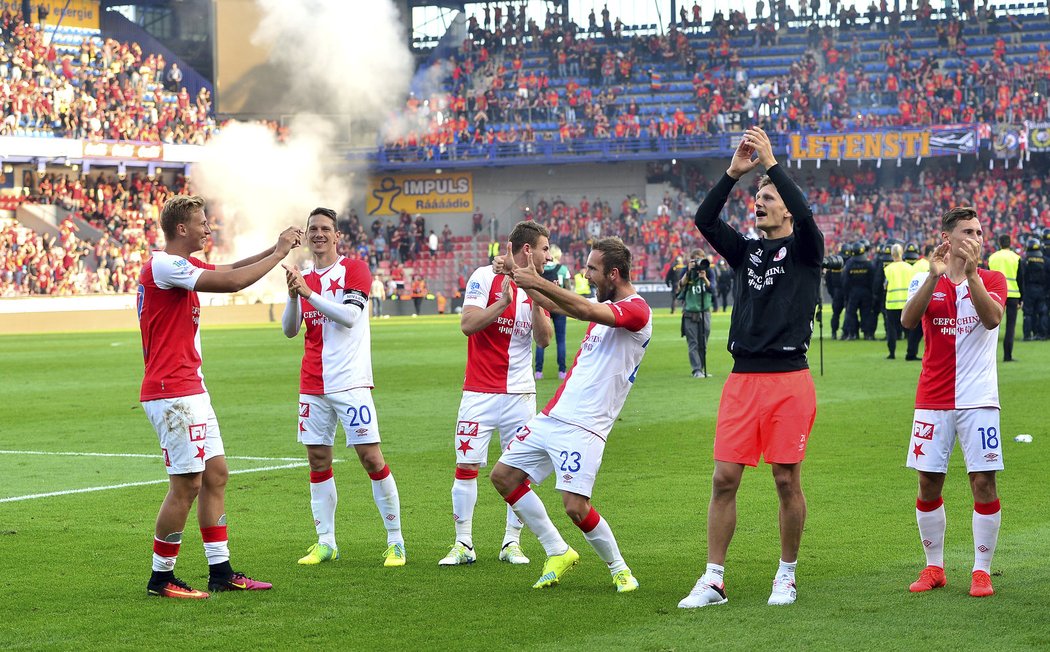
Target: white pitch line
142,455
139,484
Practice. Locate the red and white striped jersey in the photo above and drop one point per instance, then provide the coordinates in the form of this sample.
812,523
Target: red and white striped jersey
958,368
604,369
169,320
499,356
337,358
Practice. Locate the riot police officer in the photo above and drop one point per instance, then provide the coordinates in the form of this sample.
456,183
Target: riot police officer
858,276
834,283
1033,291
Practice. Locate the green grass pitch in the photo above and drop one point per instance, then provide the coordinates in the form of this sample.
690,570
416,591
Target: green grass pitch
73,566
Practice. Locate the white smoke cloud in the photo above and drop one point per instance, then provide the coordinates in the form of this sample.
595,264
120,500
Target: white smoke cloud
346,65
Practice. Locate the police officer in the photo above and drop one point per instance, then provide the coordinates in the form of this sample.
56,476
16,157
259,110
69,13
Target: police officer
675,272
898,276
833,282
1007,262
581,285
858,274
1033,291
883,257
921,264
725,283
694,291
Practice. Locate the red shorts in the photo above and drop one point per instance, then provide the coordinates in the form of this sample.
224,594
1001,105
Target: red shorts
765,414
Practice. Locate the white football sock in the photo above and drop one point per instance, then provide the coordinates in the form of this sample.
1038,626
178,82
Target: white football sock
514,525
531,511
985,535
598,533
931,531
464,497
323,500
384,492
714,574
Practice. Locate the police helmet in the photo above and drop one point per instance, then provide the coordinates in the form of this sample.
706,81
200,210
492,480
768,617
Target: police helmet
1046,234
1033,244
886,249
911,248
860,248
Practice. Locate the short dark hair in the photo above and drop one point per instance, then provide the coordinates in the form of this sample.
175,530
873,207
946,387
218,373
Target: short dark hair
526,233
615,255
1004,240
952,216
178,210
327,212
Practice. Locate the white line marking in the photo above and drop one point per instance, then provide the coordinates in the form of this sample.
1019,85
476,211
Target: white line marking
139,484
152,456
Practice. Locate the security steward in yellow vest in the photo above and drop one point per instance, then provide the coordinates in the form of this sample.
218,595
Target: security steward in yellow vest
581,285
1007,261
898,277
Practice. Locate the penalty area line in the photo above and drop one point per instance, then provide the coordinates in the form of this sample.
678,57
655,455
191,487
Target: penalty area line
152,456
124,485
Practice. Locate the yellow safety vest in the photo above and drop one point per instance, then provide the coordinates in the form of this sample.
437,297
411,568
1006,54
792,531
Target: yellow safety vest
581,284
493,249
898,277
920,265
1006,261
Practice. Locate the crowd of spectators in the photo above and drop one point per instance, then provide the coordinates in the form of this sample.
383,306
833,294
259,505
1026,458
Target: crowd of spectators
104,91
849,204
592,88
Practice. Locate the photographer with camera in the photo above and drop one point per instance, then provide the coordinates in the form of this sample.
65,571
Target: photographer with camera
695,293
768,403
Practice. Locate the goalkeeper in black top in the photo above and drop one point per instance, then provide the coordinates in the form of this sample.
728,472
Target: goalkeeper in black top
768,403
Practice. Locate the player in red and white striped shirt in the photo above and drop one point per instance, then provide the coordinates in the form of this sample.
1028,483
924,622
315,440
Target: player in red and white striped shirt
173,393
336,383
959,306
568,438
499,390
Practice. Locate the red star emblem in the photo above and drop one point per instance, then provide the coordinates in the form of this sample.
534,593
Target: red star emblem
918,450
302,426
200,453
967,295
528,300
335,284
464,446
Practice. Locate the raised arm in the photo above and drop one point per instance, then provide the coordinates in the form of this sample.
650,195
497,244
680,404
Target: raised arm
723,238
235,279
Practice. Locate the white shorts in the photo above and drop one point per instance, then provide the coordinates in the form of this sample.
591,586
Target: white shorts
188,431
319,413
480,414
546,445
933,435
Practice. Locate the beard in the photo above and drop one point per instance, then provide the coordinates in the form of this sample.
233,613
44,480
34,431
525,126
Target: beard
604,293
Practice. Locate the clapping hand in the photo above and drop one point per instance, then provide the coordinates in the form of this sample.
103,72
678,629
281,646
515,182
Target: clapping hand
289,239
939,259
296,283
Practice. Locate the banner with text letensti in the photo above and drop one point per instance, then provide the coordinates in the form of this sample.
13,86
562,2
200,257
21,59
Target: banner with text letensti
882,144
391,194
72,13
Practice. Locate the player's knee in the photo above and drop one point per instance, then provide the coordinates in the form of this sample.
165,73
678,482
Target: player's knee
501,479
724,484
787,483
